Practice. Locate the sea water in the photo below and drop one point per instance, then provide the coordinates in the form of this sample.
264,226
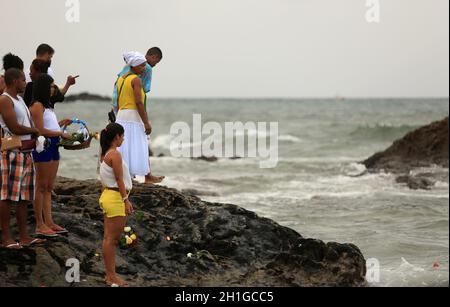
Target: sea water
317,187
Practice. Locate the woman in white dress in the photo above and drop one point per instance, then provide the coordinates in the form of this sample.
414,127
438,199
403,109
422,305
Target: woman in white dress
134,118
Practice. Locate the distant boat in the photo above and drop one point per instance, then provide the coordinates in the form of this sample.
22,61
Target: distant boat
339,98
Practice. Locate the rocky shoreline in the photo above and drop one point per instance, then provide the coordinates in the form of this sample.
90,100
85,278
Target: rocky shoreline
423,148
183,241
86,97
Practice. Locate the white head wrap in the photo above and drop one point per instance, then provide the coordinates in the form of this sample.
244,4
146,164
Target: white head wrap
134,58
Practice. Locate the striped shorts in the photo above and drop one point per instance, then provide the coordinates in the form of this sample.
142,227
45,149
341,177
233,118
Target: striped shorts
17,176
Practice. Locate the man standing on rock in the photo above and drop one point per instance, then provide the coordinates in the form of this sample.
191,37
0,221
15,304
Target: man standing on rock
17,167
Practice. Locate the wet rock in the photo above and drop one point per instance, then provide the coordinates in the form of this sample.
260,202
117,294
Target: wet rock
206,159
425,147
86,97
416,182
194,192
229,246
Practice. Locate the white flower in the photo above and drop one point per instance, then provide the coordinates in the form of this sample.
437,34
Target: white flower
76,143
190,255
127,229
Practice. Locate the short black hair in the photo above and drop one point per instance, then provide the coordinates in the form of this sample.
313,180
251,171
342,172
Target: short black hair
155,51
41,66
44,49
41,90
12,61
12,75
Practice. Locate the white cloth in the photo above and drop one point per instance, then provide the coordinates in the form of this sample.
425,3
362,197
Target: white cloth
127,56
134,58
51,121
40,143
50,72
22,114
134,149
108,178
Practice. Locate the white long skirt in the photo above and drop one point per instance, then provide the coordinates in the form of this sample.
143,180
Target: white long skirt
134,149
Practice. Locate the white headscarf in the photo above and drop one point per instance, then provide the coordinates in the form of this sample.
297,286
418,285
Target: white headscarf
134,58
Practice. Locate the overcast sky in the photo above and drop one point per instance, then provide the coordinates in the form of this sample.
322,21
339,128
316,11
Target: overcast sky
243,48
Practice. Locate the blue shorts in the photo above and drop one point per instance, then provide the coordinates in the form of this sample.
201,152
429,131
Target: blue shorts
50,153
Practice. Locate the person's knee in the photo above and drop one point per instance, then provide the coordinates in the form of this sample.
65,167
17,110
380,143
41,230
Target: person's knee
49,187
41,187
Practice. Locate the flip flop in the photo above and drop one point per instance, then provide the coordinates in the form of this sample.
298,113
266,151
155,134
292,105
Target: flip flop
13,246
48,234
35,242
60,231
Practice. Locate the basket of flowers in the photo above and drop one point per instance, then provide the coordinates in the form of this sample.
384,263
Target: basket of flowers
80,139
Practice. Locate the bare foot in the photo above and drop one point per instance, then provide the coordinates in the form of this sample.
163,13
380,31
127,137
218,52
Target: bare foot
110,281
150,179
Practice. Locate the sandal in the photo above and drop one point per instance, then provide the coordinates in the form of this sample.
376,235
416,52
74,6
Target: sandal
13,246
60,230
46,233
37,242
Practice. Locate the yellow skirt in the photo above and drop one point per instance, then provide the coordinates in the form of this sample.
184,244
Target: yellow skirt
112,204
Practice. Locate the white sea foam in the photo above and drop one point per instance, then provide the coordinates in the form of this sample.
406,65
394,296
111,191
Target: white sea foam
289,138
407,274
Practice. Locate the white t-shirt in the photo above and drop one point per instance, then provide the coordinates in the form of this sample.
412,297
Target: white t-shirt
50,72
51,121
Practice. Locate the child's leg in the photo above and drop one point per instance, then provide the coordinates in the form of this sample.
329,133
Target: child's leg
113,229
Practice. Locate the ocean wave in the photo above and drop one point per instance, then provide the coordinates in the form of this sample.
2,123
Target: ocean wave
164,141
407,274
382,131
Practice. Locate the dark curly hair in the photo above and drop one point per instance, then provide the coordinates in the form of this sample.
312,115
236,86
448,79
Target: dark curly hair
12,61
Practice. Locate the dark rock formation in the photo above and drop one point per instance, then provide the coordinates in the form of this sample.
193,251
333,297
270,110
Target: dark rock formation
424,147
228,246
213,159
207,159
416,182
421,148
194,192
86,97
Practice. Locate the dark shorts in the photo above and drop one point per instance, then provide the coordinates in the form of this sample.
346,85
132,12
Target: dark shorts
50,153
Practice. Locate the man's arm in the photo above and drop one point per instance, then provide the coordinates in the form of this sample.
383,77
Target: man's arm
70,81
137,88
9,116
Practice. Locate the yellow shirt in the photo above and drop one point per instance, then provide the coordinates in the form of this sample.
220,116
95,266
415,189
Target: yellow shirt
126,99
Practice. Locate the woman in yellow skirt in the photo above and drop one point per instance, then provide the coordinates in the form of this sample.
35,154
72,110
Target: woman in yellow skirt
117,185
